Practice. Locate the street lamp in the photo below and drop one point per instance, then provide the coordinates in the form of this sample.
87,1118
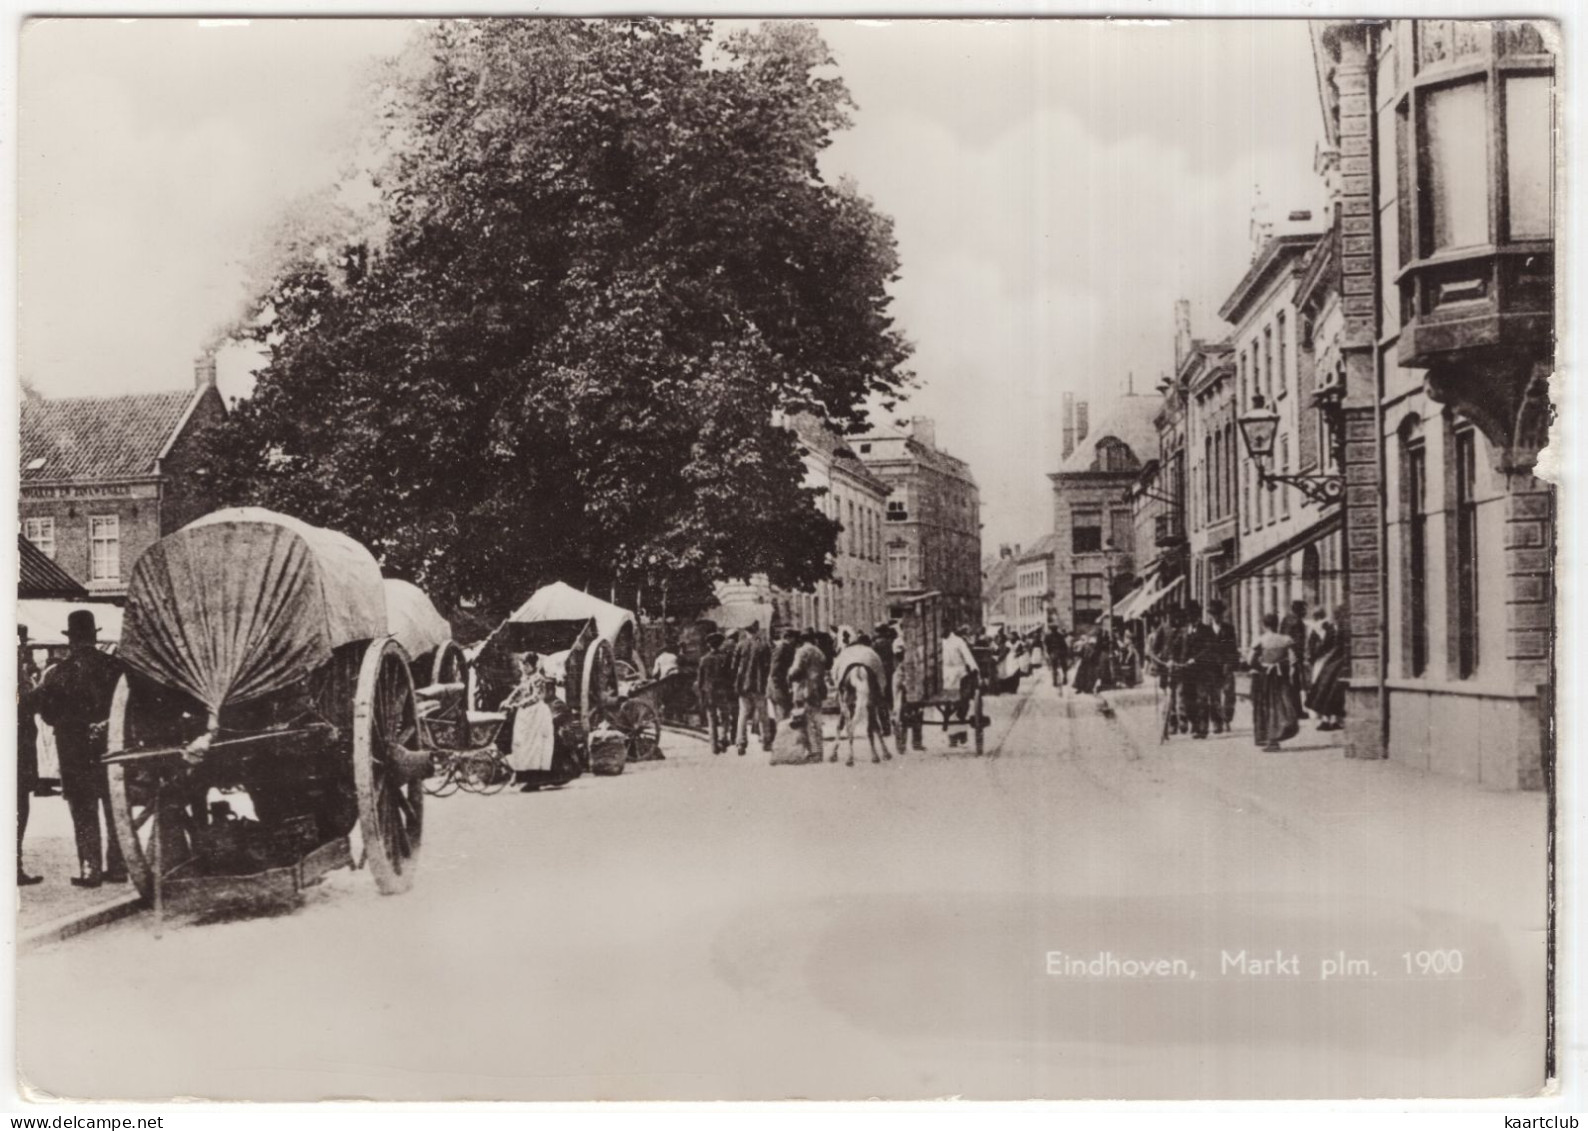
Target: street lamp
1259,425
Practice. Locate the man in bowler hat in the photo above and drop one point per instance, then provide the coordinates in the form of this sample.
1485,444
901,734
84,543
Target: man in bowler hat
74,698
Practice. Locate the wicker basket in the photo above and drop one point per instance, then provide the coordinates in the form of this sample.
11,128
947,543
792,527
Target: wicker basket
609,751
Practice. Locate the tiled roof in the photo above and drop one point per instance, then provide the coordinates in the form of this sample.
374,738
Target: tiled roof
819,438
98,437
1000,576
39,577
1044,547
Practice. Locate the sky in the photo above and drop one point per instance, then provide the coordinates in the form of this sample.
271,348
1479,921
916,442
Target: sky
1056,186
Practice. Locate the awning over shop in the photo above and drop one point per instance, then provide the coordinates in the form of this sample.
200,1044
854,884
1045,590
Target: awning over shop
1146,606
1251,567
1139,602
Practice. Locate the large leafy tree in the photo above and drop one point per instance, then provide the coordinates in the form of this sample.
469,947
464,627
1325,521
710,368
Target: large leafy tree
602,260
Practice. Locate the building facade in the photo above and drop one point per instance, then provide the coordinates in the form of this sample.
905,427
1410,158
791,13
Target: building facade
1094,523
853,497
1443,133
1288,541
998,581
1037,596
932,535
104,478
1205,373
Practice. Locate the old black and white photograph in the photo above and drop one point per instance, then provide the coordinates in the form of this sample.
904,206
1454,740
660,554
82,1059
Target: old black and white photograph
642,558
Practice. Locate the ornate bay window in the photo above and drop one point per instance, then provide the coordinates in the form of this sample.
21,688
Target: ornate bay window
1475,125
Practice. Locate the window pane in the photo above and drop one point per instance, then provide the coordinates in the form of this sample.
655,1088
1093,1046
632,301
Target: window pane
1529,172
1457,163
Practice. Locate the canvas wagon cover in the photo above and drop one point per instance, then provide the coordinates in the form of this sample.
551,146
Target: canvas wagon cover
244,602
560,601
413,619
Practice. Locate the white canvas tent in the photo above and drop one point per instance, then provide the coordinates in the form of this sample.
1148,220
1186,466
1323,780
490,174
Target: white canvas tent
562,602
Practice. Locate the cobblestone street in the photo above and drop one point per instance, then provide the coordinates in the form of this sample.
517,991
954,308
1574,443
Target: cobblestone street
714,927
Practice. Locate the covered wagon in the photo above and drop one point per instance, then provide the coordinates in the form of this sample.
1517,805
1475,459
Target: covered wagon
267,715
593,650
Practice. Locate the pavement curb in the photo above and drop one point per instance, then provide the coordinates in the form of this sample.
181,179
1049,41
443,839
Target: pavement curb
78,922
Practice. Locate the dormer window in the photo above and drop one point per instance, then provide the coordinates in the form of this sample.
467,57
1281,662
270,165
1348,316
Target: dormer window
36,464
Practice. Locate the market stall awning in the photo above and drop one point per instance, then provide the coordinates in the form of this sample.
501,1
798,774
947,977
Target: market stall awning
560,601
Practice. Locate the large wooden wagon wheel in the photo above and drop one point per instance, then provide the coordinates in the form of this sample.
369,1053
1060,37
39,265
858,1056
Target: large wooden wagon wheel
598,677
147,801
389,766
643,725
447,664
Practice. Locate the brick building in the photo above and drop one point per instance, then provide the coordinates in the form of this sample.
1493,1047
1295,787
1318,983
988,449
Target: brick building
932,538
1441,134
103,478
1095,557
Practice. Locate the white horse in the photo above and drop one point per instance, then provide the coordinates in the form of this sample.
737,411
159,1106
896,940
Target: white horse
856,701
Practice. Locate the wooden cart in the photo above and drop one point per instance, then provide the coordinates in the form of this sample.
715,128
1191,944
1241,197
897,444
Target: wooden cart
919,622
602,680
265,731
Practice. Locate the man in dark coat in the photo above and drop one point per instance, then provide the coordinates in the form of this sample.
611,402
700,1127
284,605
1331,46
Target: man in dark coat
74,698
1195,650
752,666
714,686
27,748
1226,657
1294,625
1057,647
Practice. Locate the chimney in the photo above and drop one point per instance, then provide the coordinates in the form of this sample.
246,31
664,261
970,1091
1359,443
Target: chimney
1080,422
924,431
1182,332
204,371
1068,413
1004,551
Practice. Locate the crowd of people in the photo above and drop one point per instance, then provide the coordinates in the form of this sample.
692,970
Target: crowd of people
746,683
1297,665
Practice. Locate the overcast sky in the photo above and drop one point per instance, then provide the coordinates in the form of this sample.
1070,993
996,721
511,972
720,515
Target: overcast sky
1056,186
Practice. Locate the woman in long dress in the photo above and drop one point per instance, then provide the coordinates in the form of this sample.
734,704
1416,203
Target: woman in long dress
1275,706
543,749
1326,653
